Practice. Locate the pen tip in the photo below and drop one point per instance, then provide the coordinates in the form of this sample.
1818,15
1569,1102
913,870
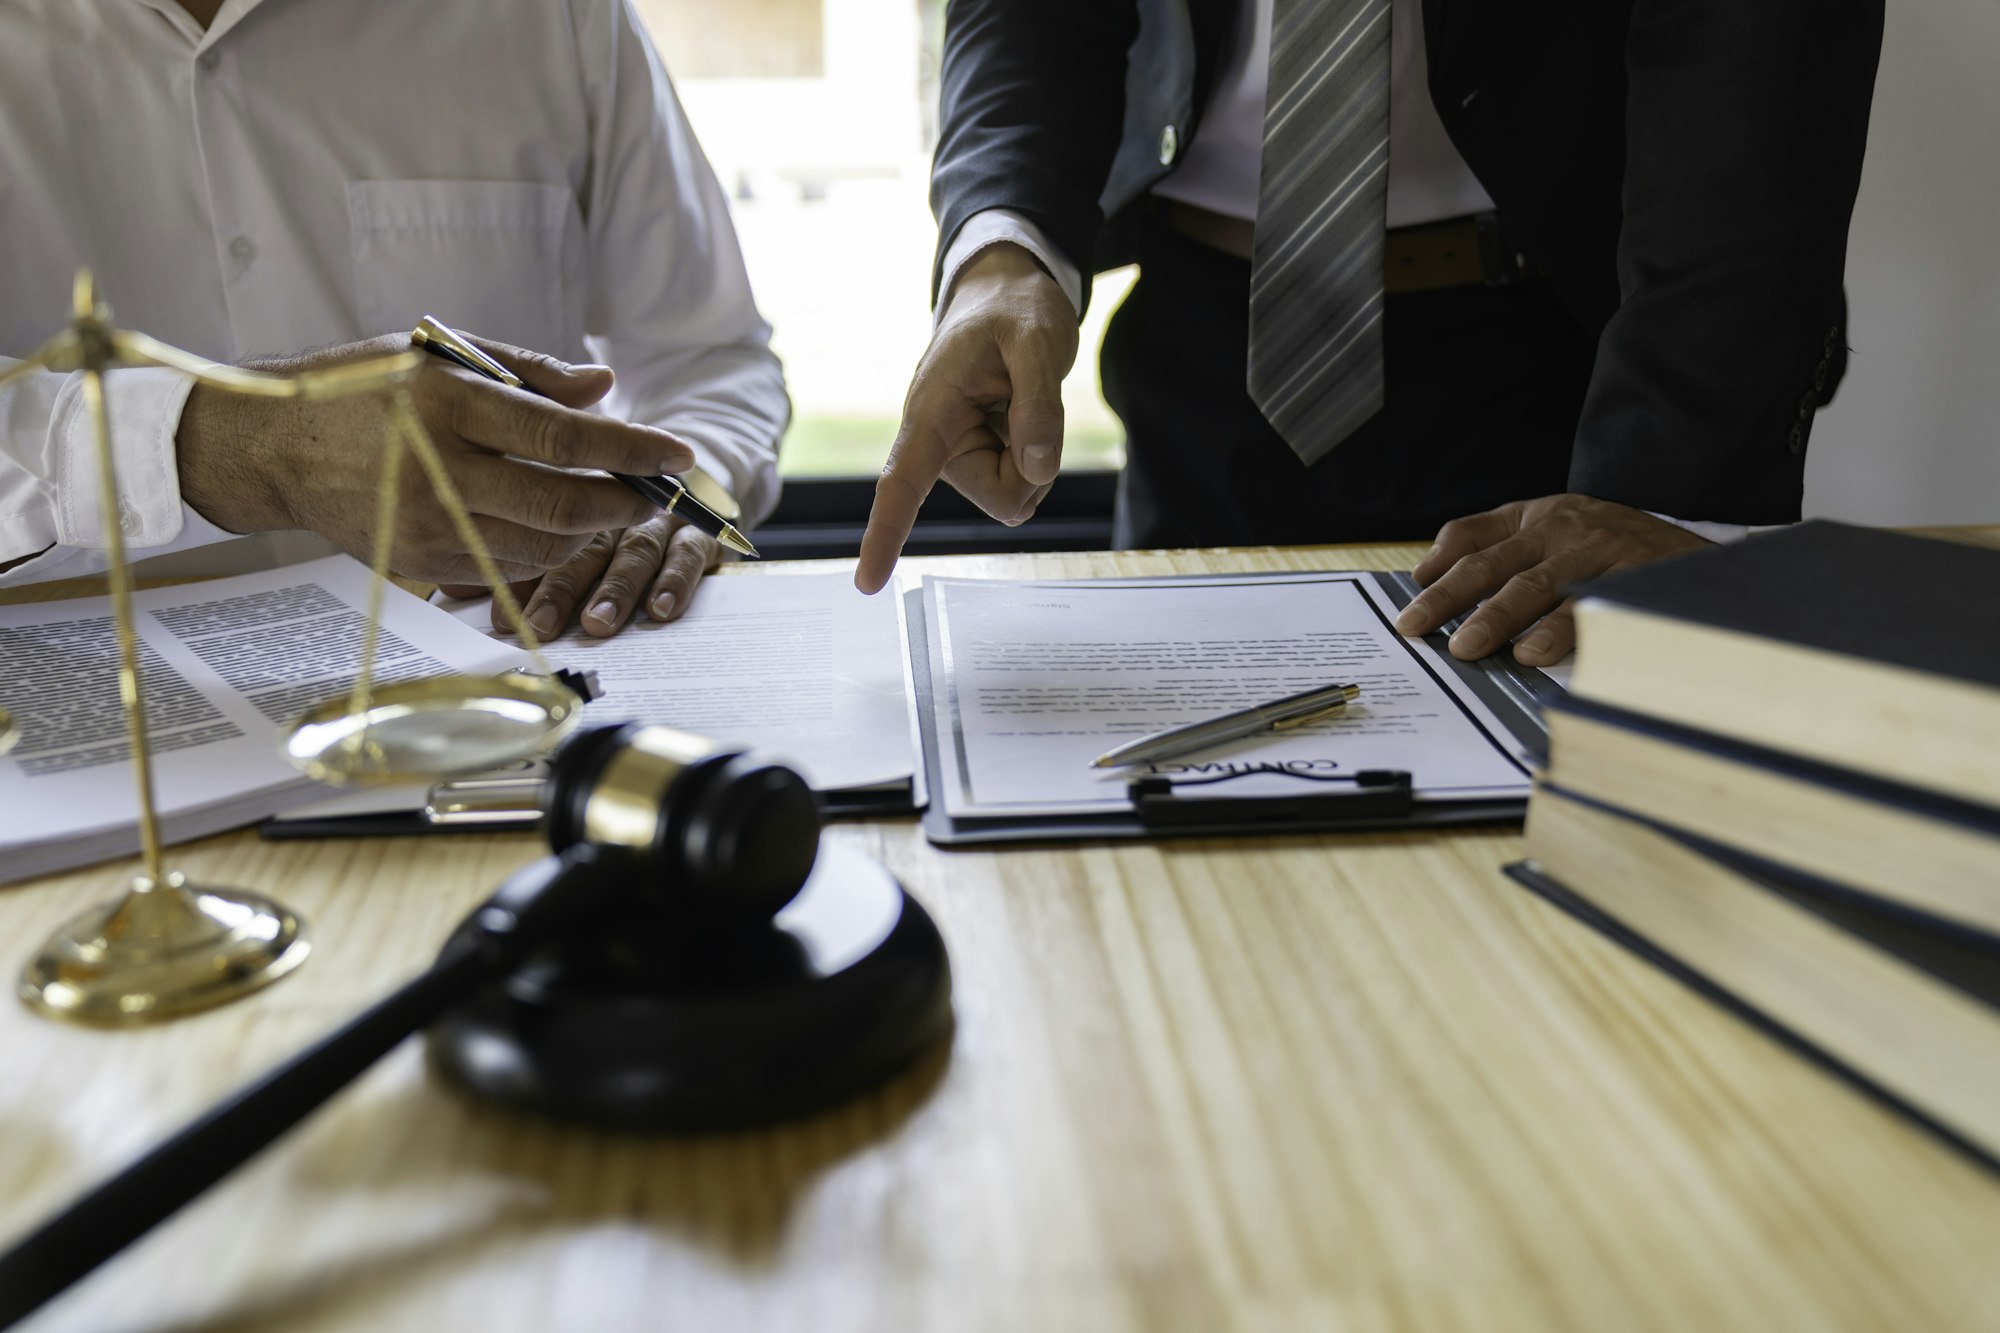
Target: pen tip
737,542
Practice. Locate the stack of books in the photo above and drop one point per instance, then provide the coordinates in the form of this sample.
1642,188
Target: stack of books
1778,776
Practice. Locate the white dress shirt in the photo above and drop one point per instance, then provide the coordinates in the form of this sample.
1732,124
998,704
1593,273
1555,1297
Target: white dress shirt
310,172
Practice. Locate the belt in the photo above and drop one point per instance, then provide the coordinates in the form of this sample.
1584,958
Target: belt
1470,251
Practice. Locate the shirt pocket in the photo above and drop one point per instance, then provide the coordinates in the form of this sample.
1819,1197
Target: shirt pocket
502,259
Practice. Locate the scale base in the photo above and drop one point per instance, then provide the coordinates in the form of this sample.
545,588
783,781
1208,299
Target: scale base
666,1023
160,951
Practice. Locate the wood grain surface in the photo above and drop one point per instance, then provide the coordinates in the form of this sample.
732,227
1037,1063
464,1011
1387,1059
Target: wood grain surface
1354,1082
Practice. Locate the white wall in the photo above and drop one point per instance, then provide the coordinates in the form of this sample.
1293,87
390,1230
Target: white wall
1914,435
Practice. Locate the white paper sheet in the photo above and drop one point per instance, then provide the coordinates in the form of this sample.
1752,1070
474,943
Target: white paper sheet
800,665
226,665
1034,680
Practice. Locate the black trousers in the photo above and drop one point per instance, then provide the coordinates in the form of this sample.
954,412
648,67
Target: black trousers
1483,389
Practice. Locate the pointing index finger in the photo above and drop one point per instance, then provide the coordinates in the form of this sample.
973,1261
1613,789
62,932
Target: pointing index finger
916,461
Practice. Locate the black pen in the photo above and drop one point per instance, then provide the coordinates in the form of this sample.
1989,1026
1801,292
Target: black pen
669,492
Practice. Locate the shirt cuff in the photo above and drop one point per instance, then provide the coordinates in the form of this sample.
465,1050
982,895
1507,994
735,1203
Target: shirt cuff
144,406
1707,531
993,226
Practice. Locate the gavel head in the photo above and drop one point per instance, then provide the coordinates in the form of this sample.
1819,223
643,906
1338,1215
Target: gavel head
729,833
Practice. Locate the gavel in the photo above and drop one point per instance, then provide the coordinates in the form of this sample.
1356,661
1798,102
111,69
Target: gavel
689,958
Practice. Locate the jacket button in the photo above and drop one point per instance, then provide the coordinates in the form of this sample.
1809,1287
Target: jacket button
1807,402
1170,145
1819,377
1795,443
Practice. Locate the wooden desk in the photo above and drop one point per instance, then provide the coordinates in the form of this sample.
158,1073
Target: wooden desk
1356,1082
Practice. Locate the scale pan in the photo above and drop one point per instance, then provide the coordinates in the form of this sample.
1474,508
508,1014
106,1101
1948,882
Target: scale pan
422,730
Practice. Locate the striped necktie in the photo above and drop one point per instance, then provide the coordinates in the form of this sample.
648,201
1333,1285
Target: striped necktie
1316,268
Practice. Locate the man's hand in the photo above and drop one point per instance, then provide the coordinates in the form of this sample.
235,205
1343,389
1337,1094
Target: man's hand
264,464
985,407
656,564
1519,558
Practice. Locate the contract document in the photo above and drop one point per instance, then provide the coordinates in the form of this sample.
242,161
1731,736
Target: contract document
226,665
1032,681
798,665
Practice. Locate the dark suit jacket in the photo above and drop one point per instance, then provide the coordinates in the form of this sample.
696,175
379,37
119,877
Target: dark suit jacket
1683,170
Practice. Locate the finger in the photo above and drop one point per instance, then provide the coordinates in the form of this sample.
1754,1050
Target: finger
548,499
526,425
554,597
467,591
522,553
639,554
1034,502
1034,408
1477,574
691,553
570,385
448,563
935,416
990,477
1552,638
1523,599
1462,536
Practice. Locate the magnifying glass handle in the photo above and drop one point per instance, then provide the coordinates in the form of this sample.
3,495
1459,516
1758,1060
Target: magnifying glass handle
532,907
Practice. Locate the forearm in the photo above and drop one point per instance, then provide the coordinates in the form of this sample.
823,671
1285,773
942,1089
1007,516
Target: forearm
1745,131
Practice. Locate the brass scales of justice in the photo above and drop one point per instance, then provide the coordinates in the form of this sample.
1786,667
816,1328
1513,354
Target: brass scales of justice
169,946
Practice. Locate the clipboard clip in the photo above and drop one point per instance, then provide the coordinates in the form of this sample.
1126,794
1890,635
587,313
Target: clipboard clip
1369,793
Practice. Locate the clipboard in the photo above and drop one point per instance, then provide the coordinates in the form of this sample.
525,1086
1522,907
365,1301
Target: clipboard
1514,693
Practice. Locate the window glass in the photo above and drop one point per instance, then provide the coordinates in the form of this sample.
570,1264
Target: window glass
819,117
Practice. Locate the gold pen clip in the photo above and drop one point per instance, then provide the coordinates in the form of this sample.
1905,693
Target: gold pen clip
432,329
1333,709
1341,695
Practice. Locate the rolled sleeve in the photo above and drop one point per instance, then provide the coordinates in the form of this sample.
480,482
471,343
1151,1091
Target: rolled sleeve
144,407
51,520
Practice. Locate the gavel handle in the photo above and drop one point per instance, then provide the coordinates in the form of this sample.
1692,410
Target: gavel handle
533,906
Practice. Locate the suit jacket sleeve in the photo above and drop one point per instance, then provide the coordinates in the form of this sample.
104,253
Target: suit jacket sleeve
1033,96
1745,125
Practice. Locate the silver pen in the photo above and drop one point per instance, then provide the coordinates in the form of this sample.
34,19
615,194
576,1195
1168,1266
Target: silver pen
1294,710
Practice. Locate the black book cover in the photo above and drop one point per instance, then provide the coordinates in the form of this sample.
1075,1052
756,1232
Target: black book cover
1559,895
1914,602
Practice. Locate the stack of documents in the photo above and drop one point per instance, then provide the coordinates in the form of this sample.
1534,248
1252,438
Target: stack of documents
800,667
994,695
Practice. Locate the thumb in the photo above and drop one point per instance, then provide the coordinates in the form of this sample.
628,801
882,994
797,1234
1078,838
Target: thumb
1034,412
558,381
